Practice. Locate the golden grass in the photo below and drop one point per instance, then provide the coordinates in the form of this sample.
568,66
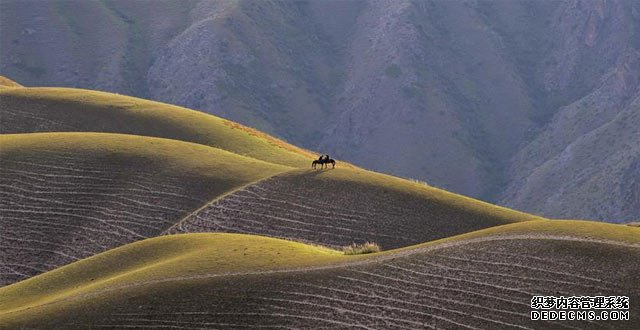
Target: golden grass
588,230
92,111
272,140
8,83
171,155
242,152
160,259
422,191
156,262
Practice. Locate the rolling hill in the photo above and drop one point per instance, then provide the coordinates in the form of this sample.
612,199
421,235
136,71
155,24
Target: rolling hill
30,110
109,203
8,83
66,196
101,190
482,98
483,279
341,206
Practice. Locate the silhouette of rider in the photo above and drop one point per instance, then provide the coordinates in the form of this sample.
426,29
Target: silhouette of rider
321,158
326,158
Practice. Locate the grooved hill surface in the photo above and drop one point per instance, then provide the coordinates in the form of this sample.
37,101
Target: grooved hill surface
485,285
477,281
340,206
29,110
67,196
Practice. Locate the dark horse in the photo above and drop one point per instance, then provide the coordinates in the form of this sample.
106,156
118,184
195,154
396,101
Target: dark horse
324,162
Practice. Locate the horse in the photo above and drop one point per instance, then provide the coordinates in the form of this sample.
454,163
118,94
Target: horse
323,162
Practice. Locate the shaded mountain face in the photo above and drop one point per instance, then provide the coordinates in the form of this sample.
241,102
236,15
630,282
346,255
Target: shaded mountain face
532,104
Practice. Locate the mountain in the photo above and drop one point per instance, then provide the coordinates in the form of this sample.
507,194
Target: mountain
585,164
484,98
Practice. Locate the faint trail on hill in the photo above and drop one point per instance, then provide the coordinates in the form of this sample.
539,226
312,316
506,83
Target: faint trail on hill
56,208
430,251
433,286
334,213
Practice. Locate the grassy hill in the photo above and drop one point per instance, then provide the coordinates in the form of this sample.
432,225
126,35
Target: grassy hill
66,196
71,195
341,206
28,110
87,216
99,191
8,83
214,280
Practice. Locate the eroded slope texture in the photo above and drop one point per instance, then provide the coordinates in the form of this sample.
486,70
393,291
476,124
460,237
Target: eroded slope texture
321,208
58,207
478,284
555,181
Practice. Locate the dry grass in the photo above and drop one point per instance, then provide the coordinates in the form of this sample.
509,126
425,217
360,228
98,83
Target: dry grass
270,139
8,83
364,248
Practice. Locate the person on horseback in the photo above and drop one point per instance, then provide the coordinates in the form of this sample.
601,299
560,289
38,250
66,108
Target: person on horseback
323,160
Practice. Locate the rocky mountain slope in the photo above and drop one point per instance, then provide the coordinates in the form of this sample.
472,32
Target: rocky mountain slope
485,98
